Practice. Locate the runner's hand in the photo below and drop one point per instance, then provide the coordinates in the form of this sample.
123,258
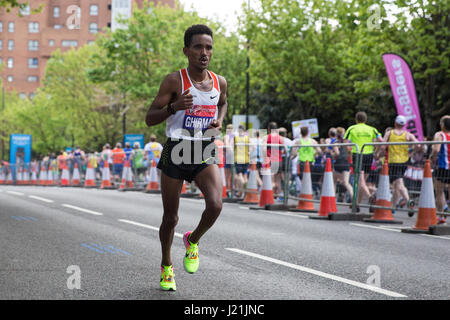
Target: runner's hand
216,124
184,102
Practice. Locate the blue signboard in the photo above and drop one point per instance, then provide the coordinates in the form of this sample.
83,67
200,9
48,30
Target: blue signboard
132,138
20,148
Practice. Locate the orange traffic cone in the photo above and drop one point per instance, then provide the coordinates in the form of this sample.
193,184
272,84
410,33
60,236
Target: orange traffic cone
127,179
153,184
2,176
76,176
106,177
266,196
19,177
383,215
89,181
25,177
42,176
183,188
251,195
328,196
50,181
306,191
64,176
9,179
33,176
426,215
224,181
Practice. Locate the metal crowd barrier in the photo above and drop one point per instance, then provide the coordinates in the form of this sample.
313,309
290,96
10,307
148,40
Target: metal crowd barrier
412,173
412,176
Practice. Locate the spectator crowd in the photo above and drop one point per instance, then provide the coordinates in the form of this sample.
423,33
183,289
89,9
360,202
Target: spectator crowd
287,155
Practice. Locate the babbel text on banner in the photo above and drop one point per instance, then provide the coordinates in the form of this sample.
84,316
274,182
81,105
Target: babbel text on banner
404,92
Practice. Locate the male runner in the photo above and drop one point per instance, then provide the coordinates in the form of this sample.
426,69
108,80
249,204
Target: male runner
398,157
441,154
361,133
194,103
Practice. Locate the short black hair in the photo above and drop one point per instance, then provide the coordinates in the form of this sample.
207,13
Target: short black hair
272,125
193,30
361,116
446,123
304,131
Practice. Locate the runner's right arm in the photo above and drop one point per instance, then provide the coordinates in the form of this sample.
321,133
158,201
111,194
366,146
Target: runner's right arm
167,94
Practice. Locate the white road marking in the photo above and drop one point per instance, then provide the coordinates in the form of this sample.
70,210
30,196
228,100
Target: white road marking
434,236
179,235
320,274
82,210
16,193
41,199
375,227
285,214
276,212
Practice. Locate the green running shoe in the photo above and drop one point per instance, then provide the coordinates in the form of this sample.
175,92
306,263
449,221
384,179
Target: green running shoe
191,261
167,279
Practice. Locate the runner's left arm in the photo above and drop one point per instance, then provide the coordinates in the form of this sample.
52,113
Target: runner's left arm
222,105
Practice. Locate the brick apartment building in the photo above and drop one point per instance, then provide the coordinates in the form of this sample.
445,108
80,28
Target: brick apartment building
27,41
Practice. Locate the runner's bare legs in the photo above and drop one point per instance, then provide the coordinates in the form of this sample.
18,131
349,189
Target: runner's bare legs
170,191
209,181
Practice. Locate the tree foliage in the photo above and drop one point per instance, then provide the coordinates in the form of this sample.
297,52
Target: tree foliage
308,58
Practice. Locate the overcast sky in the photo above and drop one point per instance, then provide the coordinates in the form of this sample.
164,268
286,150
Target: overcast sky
225,11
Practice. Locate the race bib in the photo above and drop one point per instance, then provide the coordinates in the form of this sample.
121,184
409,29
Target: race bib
199,117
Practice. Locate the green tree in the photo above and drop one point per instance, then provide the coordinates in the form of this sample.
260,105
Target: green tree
137,58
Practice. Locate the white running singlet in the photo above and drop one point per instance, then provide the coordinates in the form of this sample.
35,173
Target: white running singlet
192,123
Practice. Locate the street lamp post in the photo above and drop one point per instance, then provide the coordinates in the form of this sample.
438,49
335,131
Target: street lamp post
247,98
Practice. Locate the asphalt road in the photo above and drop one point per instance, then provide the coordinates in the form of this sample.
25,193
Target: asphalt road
112,239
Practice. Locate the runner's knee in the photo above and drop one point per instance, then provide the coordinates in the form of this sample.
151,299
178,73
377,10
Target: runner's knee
214,205
170,220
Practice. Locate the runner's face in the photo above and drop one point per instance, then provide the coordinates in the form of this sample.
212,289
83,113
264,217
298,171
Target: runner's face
200,51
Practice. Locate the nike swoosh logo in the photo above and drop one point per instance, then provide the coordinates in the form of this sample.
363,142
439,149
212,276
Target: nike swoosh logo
213,97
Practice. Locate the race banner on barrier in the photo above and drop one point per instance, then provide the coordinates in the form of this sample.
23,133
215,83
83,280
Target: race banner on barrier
404,92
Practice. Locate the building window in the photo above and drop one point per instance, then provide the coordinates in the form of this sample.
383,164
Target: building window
33,63
51,43
31,95
57,26
10,63
1,44
22,95
33,45
93,27
33,27
69,43
10,45
10,78
56,12
10,26
93,10
1,26
32,78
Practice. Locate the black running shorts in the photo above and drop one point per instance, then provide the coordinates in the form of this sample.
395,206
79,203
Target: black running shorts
443,175
366,162
396,171
185,159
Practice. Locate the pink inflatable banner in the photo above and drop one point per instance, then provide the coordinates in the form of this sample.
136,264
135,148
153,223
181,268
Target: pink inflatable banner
404,92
